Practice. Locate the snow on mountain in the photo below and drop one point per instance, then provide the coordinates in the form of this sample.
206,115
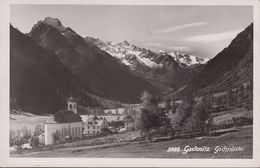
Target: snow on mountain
130,54
185,59
127,53
188,59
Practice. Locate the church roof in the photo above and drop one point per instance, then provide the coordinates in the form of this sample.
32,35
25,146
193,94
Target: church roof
66,116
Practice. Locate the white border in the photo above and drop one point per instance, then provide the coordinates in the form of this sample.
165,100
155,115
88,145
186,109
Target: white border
109,162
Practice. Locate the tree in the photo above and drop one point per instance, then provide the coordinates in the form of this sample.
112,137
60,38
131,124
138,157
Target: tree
151,116
38,130
146,99
34,141
200,115
147,120
173,107
182,113
12,134
165,121
26,132
168,107
56,136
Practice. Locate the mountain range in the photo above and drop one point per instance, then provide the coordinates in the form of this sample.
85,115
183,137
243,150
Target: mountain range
166,71
232,67
129,54
53,62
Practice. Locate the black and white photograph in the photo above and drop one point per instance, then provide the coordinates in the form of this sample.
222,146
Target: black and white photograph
131,81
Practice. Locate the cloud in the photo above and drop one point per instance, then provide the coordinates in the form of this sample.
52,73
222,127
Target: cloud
161,46
180,48
154,44
227,35
180,27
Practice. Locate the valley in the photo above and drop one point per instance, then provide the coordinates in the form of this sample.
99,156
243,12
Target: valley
79,96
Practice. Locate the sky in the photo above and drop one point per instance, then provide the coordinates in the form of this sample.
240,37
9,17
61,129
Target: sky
198,30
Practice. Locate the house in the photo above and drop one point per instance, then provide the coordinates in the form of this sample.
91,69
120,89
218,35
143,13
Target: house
110,111
116,111
178,102
65,123
94,125
129,123
219,98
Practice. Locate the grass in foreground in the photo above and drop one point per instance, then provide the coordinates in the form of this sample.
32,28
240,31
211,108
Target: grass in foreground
241,138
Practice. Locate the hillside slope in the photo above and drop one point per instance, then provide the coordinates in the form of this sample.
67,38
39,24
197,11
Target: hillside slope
40,83
166,71
233,64
103,74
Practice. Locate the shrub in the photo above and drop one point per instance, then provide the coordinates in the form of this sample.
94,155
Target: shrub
56,136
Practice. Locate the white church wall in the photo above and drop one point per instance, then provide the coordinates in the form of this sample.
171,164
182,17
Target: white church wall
66,129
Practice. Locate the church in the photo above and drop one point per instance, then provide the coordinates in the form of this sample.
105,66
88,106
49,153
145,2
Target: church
64,123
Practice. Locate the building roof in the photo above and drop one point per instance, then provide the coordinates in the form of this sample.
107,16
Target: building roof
71,99
65,116
128,119
51,121
95,121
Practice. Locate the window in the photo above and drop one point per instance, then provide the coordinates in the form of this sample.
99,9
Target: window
93,127
70,106
88,132
93,132
88,127
97,132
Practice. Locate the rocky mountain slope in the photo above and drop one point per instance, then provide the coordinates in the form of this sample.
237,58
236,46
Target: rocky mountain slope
130,54
99,70
167,71
39,82
232,66
186,60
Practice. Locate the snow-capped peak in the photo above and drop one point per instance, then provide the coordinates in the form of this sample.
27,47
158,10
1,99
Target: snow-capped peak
186,59
130,55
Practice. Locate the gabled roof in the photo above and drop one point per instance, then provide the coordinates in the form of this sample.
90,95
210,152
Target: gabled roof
66,116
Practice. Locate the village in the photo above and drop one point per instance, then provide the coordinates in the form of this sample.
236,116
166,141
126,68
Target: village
67,128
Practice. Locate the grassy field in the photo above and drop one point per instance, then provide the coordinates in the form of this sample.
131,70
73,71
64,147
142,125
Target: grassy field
242,138
18,120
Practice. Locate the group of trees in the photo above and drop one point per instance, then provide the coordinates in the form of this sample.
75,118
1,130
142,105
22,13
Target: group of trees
25,135
171,117
241,95
151,116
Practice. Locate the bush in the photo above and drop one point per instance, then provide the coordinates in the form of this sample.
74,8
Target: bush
38,130
56,136
34,141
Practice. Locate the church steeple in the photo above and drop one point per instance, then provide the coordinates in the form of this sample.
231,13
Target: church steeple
72,105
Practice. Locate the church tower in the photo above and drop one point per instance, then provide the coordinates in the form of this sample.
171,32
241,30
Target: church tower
72,105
